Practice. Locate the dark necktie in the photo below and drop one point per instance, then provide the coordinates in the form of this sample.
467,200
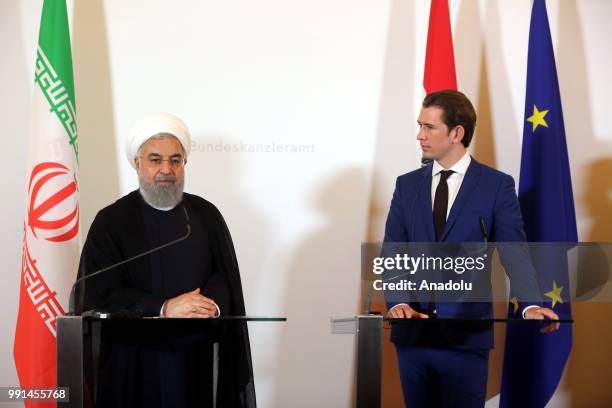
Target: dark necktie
441,203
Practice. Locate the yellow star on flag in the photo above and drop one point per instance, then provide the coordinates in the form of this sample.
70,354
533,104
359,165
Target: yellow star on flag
537,118
555,294
514,302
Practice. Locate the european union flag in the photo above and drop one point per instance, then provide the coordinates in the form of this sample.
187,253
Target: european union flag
533,361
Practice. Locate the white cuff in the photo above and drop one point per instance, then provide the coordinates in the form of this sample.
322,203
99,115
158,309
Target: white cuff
527,308
399,304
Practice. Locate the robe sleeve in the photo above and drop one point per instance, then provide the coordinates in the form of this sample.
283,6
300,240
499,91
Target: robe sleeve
236,387
217,289
110,291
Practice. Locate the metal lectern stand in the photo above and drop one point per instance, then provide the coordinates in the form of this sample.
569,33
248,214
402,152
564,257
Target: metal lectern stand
368,350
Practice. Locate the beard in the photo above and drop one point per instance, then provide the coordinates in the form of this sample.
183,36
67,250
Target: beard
161,196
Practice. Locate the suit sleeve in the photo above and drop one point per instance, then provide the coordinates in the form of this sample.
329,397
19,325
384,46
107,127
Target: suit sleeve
514,253
395,228
395,231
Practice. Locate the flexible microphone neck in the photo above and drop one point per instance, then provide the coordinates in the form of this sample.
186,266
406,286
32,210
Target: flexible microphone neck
71,306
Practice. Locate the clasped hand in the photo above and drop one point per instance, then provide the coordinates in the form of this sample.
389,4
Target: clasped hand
190,304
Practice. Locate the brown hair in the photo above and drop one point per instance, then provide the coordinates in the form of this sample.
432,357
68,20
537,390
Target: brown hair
456,110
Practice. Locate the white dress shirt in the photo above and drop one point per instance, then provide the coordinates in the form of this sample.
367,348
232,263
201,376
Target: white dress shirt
454,180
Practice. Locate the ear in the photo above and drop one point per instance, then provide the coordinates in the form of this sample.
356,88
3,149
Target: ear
459,134
137,162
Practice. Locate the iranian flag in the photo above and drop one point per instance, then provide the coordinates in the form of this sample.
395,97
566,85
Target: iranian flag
51,225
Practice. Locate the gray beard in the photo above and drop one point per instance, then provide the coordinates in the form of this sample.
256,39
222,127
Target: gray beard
161,197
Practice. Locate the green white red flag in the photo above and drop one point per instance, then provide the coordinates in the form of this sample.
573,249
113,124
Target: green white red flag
51,226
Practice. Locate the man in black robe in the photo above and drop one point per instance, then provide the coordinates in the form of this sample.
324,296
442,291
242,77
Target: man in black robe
166,363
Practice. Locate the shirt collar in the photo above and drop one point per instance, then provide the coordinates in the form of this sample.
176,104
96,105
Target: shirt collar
460,167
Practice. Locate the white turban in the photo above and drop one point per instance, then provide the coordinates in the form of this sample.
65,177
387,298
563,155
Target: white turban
153,125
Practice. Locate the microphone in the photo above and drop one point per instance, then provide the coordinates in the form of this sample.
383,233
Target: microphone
71,305
425,162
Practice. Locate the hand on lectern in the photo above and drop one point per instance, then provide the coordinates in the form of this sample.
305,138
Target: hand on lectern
190,304
543,313
403,311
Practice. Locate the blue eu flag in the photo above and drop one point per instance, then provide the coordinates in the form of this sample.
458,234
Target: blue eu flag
533,361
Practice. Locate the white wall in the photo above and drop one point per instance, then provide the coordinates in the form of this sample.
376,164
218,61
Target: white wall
343,78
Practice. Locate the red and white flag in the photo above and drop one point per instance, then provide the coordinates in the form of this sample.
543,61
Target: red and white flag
439,58
51,226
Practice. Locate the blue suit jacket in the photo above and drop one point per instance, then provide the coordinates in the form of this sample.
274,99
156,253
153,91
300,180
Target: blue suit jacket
484,192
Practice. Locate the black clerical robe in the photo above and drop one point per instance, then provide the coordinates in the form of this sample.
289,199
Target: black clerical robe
159,367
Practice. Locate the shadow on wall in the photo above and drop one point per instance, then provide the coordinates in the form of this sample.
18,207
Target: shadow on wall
323,278
483,143
99,183
217,176
593,274
492,142
592,192
492,70
598,199
396,152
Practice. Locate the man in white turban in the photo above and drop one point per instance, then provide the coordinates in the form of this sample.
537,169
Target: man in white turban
195,277
161,180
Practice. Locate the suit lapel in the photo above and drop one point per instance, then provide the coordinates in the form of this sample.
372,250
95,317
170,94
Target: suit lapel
470,180
424,206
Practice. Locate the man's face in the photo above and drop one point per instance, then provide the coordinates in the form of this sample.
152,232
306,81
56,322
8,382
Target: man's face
161,171
434,136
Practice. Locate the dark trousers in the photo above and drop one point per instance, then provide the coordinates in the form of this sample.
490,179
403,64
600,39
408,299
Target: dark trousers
433,374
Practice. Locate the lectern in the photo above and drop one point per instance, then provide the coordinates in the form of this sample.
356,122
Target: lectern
79,339
368,332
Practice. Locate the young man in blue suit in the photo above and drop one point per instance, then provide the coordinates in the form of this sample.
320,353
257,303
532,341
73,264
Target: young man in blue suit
452,199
